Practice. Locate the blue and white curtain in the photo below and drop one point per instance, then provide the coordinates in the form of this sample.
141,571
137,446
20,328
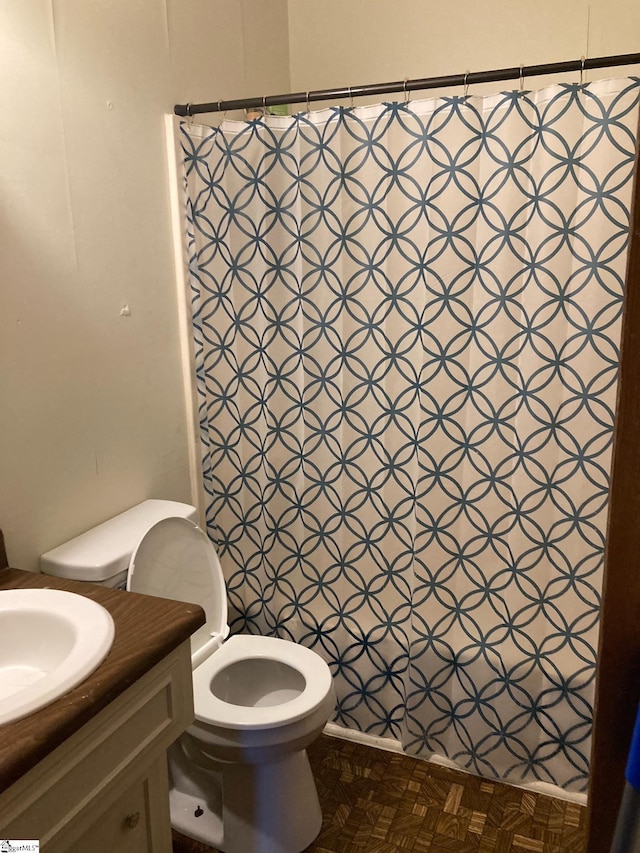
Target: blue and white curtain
406,322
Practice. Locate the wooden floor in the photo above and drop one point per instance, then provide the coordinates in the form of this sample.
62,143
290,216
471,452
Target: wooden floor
375,801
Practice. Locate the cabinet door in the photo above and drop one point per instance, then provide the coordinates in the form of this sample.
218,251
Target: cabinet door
138,822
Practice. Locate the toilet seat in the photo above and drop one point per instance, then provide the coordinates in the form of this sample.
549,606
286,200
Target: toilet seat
209,709
175,559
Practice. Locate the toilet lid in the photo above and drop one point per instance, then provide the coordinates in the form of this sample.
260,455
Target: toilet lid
175,559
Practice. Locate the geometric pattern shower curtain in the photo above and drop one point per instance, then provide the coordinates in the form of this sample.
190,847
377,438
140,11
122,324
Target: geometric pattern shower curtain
406,322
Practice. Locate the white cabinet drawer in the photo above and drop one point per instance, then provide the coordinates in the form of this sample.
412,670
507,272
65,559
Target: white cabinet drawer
138,822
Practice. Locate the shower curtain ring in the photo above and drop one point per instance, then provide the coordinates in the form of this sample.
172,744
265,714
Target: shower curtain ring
351,97
466,83
404,89
308,104
582,59
522,78
264,104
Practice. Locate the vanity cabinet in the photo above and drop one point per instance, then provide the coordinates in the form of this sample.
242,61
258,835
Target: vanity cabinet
105,788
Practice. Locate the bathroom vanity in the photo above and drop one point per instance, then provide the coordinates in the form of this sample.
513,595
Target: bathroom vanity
89,771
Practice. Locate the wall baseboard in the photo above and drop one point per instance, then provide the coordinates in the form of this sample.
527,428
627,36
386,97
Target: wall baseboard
391,745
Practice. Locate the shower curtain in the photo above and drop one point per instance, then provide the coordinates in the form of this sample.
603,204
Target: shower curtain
406,322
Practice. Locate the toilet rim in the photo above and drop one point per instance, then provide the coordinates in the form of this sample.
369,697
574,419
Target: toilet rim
209,709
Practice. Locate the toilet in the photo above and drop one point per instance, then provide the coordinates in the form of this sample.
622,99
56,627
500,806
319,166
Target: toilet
240,779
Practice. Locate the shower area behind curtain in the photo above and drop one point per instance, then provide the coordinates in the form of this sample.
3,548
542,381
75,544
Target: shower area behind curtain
406,322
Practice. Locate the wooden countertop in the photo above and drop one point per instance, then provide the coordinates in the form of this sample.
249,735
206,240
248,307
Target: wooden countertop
147,629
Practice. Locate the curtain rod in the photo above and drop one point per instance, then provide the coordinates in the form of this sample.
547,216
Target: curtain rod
405,86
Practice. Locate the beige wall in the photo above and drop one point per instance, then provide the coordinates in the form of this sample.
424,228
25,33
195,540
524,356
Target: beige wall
92,412
93,418
353,42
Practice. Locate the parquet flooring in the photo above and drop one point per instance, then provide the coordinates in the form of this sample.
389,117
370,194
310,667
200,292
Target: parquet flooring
375,801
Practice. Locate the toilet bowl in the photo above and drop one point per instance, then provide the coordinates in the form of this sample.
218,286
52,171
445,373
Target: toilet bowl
240,777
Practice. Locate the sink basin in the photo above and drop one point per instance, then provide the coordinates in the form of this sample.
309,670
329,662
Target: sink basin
50,641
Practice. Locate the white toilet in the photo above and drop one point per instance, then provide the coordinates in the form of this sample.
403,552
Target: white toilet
240,776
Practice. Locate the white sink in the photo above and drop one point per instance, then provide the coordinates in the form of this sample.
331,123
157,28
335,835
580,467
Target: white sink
50,641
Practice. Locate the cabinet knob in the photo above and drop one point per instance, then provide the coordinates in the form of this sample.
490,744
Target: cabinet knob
132,820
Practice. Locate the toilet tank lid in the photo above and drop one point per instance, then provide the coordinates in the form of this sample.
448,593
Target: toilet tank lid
105,550
176,559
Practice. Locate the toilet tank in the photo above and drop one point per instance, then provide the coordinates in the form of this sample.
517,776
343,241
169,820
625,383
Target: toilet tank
102,554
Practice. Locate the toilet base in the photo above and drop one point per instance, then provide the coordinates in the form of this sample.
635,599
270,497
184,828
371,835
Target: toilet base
257,808
192,816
